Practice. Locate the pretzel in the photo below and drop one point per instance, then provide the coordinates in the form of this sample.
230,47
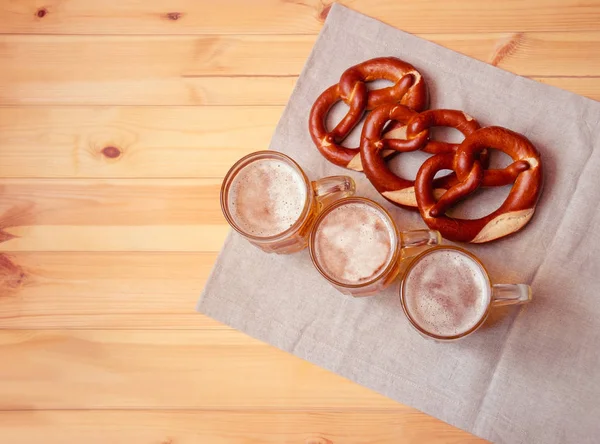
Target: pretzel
396,189
409,89
513,214
387,68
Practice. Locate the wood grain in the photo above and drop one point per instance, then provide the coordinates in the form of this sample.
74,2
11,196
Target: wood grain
289,17
133,202
94,215
172,90
187,70
154,369
198,237
118,120
53,290
111,215
176,142
206,91
394,425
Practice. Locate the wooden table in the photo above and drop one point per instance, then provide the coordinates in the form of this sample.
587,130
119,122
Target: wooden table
118,120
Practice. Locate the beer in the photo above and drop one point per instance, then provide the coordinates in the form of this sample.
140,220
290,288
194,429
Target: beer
354,243
446,292
267,197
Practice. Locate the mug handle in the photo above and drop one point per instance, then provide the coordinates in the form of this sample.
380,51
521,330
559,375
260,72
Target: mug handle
332,188
419,238
510,294
410,241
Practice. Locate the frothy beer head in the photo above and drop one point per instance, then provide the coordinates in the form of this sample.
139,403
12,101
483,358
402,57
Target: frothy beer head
354,243
446,292
266,197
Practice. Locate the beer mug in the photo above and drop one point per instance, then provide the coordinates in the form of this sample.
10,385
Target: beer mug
356,245
268,199
446,293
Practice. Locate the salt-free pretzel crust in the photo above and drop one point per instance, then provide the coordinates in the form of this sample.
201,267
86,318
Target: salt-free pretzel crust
515,212
409,89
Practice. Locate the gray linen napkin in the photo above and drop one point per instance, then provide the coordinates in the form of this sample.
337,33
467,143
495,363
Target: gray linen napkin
532,375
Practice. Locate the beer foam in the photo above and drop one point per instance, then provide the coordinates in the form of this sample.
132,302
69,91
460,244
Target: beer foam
446,292
353,243
266,197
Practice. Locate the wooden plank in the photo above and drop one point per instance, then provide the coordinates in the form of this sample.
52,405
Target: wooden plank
207,91
43,290
155,238
148,59
173,90
182,142
134,202
396,425
111,215
186,70
153,369
274,17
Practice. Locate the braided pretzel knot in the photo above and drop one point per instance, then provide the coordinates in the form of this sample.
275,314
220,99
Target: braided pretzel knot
416,136
409,89
513,214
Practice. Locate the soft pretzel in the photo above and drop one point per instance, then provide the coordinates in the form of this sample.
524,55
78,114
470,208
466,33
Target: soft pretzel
385,68
513,214
409,89
398,190
397,123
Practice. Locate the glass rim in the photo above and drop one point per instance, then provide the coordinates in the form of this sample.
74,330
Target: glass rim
237,167
345,201
416,260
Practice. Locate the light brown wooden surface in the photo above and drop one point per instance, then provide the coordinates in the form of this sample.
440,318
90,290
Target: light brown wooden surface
118,121
290,17
241,69
385,426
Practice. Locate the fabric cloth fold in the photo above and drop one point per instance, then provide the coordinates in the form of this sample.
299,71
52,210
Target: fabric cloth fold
531,374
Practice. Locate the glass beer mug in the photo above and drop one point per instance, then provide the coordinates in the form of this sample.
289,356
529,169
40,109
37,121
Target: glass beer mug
268,199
